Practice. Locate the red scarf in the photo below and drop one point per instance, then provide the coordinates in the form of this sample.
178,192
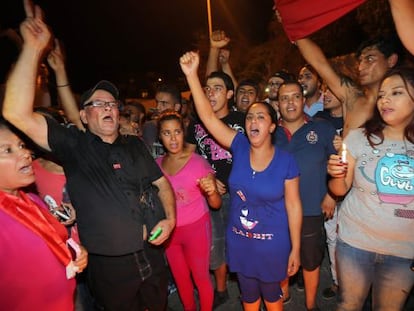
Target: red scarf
38,220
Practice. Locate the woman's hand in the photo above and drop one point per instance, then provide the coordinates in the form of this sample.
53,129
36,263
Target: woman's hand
336,168
82,259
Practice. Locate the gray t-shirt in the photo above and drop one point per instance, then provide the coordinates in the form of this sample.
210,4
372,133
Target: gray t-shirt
377,214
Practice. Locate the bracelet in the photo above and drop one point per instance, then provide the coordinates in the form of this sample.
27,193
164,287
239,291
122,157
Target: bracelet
63,85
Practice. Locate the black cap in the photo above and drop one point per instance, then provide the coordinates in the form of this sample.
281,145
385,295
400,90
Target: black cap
284,75
101,85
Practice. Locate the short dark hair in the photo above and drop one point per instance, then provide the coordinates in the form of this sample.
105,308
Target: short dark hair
170,89
284,75
294,82
313,71
249,82
228,82
387,45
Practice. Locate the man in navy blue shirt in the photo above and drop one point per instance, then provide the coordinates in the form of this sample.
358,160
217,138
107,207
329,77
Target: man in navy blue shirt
311,142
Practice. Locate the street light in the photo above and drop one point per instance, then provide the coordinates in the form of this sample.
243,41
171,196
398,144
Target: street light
210,26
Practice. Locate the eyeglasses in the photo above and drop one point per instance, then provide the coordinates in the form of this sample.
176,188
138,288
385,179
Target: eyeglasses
103,104
274,84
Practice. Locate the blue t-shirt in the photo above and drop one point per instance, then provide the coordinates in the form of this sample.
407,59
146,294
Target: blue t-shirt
312,144
258,239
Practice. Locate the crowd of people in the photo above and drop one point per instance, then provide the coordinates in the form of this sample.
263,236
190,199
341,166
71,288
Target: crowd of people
241,183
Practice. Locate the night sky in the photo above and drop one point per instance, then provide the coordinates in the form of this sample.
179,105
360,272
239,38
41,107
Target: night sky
121,39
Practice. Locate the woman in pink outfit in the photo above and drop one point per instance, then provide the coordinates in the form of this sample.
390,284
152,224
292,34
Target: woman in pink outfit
193,181
36,266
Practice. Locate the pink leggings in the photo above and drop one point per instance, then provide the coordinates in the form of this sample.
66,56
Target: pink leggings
188,254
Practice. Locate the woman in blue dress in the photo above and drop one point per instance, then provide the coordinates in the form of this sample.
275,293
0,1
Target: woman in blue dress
263,233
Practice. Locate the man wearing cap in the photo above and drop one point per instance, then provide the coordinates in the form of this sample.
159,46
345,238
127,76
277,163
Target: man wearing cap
105,175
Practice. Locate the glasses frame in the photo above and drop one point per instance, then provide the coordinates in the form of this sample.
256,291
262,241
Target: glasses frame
113,104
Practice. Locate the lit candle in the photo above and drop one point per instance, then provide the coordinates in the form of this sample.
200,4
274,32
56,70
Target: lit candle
343,153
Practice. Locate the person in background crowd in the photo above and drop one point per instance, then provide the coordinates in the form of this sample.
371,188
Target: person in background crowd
311,84
134,113
332,113
247,93
219,55
167,97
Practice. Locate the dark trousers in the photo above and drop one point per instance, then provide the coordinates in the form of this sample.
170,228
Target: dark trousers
128,282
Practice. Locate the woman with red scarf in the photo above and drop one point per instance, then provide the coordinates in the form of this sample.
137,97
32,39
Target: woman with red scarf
37,265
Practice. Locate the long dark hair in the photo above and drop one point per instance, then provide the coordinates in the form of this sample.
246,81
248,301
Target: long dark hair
375,125
272,113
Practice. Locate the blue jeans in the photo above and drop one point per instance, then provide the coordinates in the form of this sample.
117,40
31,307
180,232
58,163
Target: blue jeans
390,277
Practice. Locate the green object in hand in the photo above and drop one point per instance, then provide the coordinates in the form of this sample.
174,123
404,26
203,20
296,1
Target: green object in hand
156,234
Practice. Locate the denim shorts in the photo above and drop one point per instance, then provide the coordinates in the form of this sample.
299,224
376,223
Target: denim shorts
219,219
390,277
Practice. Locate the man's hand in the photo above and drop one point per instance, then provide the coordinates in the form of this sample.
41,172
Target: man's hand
328,206
55,58
189,63
34,31
219,39
167,226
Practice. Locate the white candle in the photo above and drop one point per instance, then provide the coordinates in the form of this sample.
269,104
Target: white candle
343,153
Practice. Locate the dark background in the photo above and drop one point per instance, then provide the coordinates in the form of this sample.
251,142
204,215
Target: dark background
136,40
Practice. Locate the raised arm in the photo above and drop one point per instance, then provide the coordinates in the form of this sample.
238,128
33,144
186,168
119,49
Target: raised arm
67,99
222,133
403,14
218,40
20,87
313,54
224,57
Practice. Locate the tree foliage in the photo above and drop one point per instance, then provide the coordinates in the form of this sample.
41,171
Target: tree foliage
338,41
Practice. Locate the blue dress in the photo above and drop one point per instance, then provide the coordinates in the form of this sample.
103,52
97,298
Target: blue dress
258,239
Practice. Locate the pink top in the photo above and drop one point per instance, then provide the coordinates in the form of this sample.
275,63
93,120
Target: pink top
49,183
191,203
32,277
